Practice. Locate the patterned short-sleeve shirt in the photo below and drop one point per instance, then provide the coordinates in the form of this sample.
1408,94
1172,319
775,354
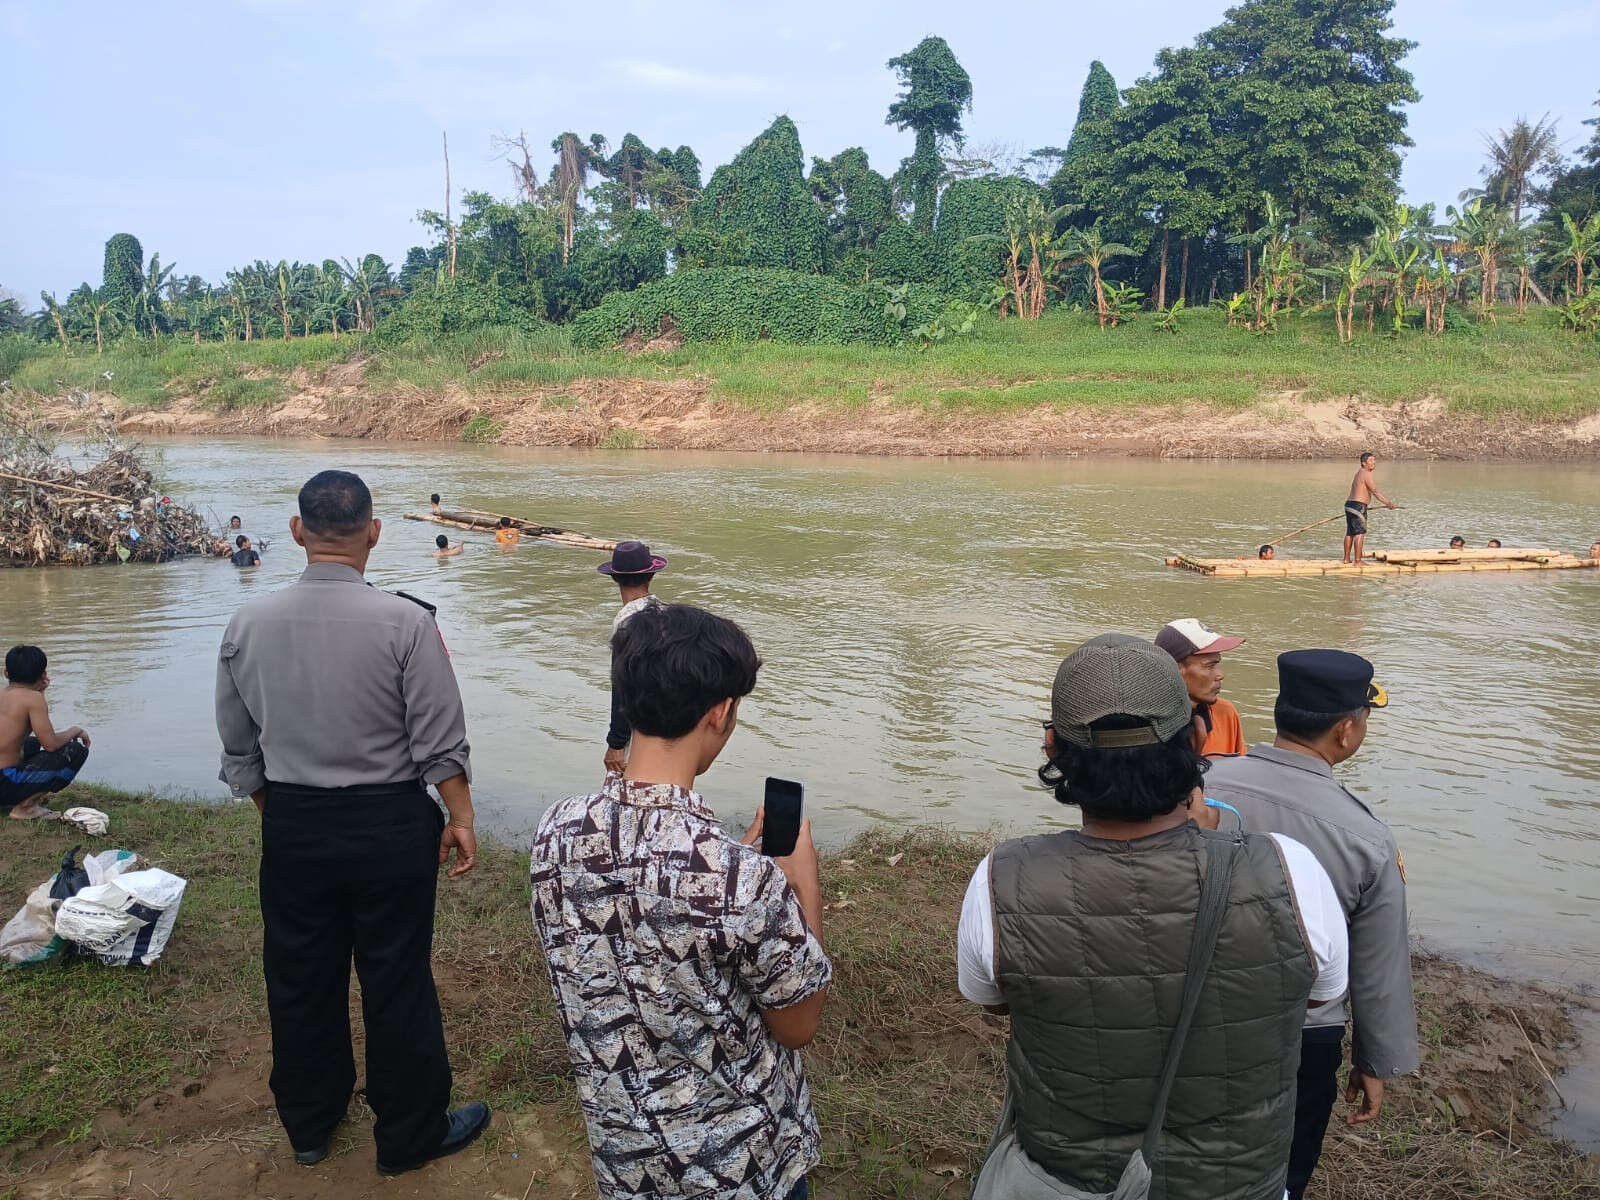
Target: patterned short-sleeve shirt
664,939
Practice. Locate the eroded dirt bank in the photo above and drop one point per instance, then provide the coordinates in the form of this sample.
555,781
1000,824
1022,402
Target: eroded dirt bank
685,414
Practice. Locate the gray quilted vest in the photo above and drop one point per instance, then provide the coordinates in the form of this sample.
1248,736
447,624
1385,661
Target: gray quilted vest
1091,942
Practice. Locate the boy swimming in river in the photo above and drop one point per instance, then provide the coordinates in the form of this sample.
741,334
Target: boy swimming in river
35,760
445,549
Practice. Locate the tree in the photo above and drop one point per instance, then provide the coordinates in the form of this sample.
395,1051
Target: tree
52,306
122,276
1485,230
858,205
1573,192
627,170
100,310
574,160
144,309
1515,156
1088,248
1311,93
1583,244
936,92
1098,102
758,210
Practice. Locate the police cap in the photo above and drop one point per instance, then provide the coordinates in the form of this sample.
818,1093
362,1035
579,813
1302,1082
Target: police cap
1328,682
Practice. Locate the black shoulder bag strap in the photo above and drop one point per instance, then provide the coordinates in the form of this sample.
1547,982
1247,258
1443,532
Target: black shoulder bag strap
1221,854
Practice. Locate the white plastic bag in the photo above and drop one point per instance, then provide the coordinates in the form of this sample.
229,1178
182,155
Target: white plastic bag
30,936
126,920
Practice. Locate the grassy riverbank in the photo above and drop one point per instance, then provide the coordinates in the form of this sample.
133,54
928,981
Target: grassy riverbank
127,1083
1518,387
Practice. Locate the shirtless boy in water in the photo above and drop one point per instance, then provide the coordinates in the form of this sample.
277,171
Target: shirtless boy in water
35,759
1363,488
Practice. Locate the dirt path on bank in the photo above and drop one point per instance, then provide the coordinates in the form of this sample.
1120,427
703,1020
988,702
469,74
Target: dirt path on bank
684,414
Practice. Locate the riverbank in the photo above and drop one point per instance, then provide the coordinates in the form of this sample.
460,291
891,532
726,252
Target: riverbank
1519,389
128,1083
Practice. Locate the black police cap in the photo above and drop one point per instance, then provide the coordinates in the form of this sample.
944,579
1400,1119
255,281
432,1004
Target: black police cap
1327,682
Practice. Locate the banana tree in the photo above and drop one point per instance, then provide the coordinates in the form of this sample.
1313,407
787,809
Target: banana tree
1351,278
1432,287
53,307
330,296
1484,230
1583,244
1088,248
144,309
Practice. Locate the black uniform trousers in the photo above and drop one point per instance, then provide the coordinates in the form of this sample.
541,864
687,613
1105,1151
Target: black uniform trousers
351,872
1316,1089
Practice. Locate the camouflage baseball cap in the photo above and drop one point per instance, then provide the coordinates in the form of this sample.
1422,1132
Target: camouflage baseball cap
1116,674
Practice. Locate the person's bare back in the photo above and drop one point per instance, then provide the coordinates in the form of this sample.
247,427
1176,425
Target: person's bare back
17,708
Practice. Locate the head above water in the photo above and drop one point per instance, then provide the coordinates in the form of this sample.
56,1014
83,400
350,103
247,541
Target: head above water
25,666
233,522
1594,549
1119,744
1458,542
442,542
241,541
1267,552
1324,699
433,499
335,521
1494,544
681,672
505,522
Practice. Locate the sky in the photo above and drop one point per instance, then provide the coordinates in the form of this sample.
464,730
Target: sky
219,133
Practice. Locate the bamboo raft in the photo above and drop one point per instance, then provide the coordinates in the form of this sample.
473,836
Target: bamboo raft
1390,562
487,522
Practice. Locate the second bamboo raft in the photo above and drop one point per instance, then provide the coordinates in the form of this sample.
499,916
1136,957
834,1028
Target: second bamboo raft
487,522
1389,562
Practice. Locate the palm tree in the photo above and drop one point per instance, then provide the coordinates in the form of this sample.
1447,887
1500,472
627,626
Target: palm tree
1515,156
1088,248
574,159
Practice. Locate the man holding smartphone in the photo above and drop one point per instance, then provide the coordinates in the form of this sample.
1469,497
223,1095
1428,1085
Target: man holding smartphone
687,966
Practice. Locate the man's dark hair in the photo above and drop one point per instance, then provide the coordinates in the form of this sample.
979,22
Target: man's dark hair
335,504
673,663
239,541
442,542
640,580
1126,783
1301,723
234,518
1495,542
505,522
25,664
433,499
1458,538
1262,552
1366,454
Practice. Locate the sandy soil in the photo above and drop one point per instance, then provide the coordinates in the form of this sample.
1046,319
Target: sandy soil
684,414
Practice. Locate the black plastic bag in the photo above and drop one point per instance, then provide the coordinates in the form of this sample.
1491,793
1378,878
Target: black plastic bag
71,878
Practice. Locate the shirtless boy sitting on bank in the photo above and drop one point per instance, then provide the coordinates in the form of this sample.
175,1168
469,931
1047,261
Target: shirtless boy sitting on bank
35,759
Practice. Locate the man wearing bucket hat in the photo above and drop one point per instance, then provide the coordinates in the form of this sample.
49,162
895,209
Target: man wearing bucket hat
1156,974
632,566
1324,699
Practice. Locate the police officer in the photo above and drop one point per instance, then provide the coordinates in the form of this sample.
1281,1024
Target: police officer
337,707
1324,699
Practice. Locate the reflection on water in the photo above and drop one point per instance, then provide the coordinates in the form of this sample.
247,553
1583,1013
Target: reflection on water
911,615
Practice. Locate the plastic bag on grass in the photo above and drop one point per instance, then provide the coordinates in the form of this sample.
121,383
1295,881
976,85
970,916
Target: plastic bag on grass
30,936
127,920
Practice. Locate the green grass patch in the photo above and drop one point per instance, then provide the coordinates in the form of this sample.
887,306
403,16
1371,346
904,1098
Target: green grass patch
236,392
622,438
482,428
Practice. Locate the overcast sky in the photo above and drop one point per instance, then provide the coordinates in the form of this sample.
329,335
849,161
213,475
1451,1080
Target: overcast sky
224,132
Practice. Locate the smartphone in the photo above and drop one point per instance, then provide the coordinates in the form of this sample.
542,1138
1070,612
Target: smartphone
781,827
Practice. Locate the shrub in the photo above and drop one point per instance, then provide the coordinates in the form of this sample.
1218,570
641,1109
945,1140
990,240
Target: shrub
749,304
452,307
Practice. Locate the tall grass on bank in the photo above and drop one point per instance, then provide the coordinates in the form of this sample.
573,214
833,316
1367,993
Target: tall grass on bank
1519,367
906,1074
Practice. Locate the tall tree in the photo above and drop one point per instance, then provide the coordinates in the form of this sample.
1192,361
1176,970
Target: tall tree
1097,104
574,160
52,306
1515,157
627,169
757,210
858,204
122,276
1313,90
936,92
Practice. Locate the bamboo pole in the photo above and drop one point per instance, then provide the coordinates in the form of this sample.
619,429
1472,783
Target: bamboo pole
67,487
1316,524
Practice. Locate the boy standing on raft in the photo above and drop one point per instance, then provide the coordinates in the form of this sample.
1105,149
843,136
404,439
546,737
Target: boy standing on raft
1362,489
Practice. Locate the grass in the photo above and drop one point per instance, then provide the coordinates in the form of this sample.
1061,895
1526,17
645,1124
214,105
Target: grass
906,1074
1522,367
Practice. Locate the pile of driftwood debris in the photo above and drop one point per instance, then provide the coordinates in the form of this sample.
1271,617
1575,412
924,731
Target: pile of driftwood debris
52,512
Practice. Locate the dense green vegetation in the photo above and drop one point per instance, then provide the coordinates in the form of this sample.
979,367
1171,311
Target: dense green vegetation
1254,170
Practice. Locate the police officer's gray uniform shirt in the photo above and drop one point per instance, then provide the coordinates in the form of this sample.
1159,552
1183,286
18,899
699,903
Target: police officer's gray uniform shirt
1283,791
332,683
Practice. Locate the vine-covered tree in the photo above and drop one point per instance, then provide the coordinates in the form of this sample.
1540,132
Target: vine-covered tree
122,276
1098,102
858,204
936,92
757,210
575,158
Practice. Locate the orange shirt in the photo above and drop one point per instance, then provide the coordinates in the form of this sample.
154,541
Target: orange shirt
507,537
1227,734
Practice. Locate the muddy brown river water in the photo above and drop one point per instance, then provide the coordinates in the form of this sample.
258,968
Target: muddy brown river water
911,614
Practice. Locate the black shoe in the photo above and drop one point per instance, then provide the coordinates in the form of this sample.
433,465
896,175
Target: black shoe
310,1158
463,1128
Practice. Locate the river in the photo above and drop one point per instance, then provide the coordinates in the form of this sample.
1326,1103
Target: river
911,614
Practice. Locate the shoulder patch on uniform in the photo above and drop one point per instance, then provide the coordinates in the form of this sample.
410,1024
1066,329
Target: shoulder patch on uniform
420,603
